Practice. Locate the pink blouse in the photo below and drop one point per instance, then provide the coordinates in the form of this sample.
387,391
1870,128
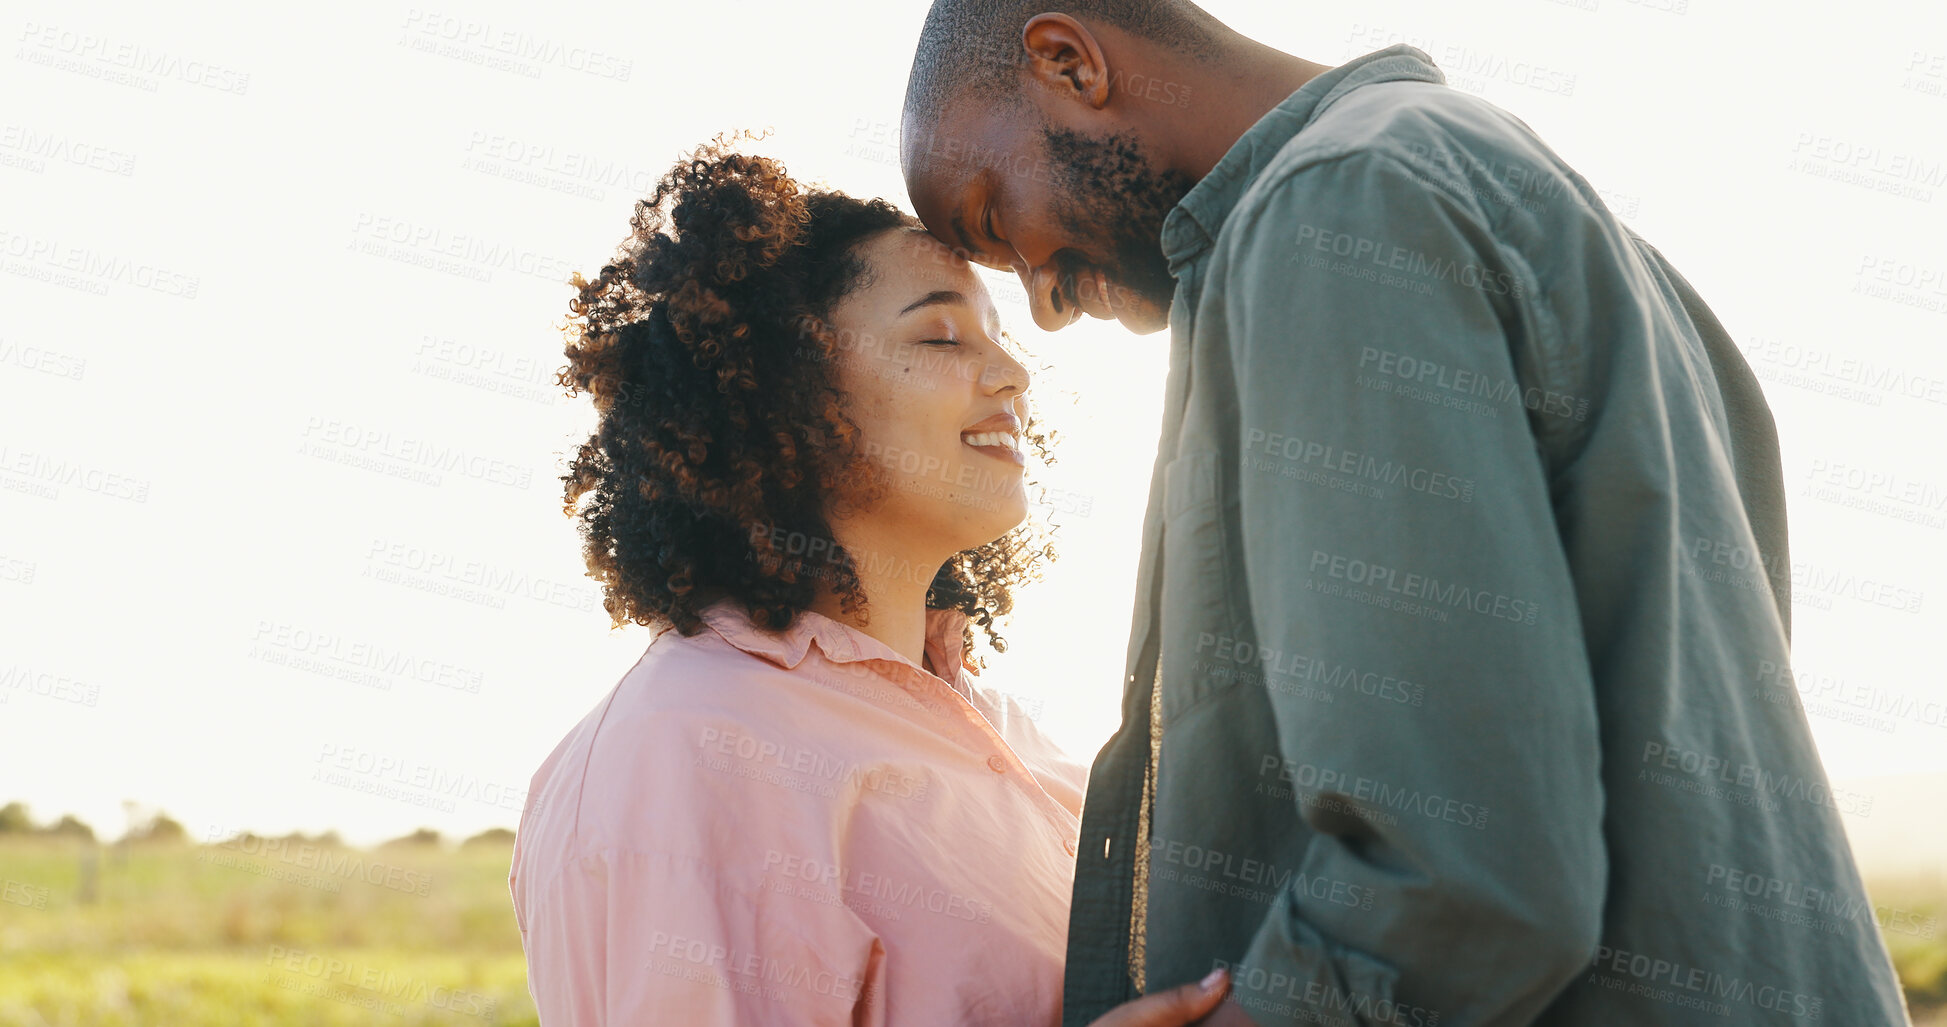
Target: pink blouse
798,827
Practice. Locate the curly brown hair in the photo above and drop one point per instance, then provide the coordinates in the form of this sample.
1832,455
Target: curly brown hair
722,440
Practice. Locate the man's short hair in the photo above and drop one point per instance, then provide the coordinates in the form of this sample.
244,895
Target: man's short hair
971,49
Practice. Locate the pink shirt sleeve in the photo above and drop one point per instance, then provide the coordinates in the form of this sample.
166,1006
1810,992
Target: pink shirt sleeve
658,909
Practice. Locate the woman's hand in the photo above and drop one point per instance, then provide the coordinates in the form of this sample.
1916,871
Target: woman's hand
1181,1005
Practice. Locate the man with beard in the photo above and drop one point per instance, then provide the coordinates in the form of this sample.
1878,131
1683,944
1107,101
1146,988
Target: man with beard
1462,622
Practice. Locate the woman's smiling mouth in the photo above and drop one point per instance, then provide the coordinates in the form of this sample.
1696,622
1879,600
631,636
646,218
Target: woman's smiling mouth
1001,445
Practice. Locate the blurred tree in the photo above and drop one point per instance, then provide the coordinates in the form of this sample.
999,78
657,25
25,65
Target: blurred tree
70,826
328,839
159,829
423,836
491,836
14,819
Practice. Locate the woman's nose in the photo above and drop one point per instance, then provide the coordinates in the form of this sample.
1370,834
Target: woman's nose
1002,373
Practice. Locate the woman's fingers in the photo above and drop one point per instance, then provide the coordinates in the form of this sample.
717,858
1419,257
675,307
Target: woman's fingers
1181,1005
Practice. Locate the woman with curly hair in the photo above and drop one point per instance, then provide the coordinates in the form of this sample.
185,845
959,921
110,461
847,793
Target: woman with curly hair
800,806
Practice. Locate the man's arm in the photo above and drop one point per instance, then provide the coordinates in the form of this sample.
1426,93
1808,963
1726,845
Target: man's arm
1394,514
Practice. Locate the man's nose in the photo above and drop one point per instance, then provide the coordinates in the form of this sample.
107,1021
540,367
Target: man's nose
1043,286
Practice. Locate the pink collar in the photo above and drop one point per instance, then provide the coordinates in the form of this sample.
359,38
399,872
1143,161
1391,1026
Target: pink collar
841,643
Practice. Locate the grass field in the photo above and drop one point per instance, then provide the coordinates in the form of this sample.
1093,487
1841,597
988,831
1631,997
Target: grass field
269,934
258,936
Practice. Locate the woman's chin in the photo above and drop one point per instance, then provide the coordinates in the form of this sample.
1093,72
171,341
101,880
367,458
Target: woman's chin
1009,526
1007,512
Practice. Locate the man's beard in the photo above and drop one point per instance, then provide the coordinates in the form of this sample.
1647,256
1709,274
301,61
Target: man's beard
1105,188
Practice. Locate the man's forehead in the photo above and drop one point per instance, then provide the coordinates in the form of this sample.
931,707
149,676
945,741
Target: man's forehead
939,190
963,146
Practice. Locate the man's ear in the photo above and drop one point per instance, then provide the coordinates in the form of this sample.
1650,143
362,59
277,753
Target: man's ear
1065,58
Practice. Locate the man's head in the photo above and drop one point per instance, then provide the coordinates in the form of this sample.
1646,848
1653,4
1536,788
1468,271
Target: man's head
1039,142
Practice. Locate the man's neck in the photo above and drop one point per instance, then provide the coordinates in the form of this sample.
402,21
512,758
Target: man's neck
1228,96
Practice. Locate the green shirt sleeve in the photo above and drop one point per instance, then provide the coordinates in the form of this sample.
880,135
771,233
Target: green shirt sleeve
1444,564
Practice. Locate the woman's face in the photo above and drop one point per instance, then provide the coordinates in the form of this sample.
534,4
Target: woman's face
939,404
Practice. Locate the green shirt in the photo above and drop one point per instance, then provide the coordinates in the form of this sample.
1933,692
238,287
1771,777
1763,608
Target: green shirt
1464,598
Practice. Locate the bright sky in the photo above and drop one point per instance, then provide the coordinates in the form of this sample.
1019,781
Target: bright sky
252,267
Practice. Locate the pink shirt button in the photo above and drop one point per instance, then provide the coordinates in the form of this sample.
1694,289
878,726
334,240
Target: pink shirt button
996,764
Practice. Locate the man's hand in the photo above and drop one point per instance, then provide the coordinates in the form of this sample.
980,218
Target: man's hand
1182,1005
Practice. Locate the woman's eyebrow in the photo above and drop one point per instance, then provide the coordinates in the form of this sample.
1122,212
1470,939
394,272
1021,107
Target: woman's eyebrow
937,296
950,297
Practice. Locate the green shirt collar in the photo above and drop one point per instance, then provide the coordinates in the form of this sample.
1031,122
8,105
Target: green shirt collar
1196,219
